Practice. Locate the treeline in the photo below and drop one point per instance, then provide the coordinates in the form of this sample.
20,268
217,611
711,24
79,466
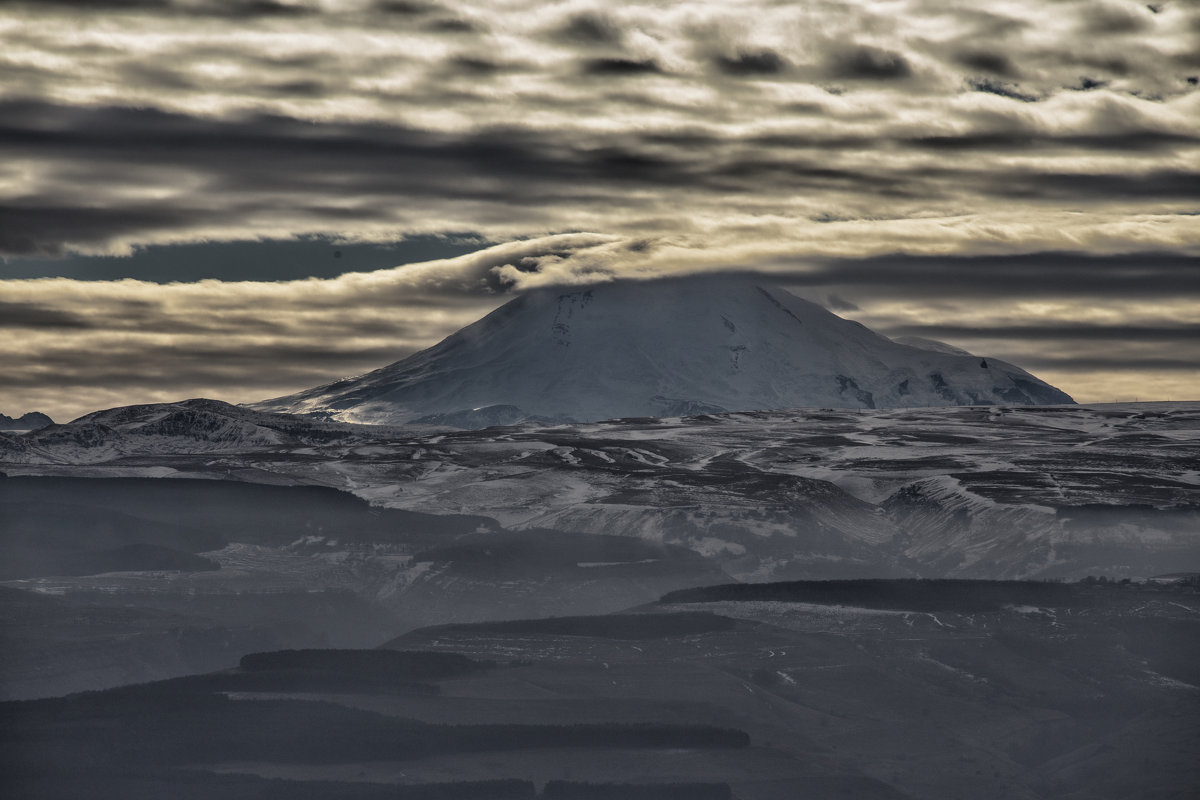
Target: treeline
301,681
406,664
32,562
381,672
144,741
606,626
199,785
567,790
152,784
339,672
160,727
894,594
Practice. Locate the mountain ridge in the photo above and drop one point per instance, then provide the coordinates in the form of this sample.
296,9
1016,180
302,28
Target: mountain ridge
31,421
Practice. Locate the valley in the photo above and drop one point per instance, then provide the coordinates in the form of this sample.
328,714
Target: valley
863,603
1093,695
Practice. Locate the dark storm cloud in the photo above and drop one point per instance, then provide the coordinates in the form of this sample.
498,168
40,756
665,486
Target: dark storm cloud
157,77
869,63
234,9
743,174
1030,275
266,164
407,8
1096,321
279,155
470,65
299,88
245,152
1122,334
1113,65
25,315
454,25
263,154
1001,88
1112,18
590,28
987,61
133,317
1157,185
45,225
1128,141
149,367
752,62
615,67
100,5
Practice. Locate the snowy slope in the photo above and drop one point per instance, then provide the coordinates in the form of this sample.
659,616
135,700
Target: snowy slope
1004,491
161,429
697,345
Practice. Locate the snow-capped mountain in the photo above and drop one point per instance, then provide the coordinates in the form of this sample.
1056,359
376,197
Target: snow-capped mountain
663,348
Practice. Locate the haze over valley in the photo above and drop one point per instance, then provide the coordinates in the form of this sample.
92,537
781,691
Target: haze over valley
583,400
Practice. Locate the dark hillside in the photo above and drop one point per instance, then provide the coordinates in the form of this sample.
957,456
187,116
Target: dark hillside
221,511
610,626
963,596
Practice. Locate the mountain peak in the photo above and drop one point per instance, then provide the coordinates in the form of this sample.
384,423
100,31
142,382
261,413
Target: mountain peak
662,348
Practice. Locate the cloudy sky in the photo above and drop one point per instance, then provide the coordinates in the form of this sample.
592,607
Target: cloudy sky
241,199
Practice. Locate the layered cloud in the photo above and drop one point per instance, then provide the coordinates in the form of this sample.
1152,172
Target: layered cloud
128,123
92,344
938,166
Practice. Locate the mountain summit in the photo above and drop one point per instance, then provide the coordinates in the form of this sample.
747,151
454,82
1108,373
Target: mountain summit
662,348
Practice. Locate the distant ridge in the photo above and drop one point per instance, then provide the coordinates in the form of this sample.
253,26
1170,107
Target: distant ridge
32,421
663,348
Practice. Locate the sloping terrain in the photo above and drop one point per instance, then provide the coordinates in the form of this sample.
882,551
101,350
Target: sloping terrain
662,348
328,533
185,575
984,492
53,645
1092,693
812,693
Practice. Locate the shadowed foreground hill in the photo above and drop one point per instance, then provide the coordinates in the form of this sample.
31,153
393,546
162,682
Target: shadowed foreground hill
758,699
963,596
156,735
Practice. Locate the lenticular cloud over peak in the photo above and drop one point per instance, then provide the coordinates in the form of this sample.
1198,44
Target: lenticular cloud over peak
954,172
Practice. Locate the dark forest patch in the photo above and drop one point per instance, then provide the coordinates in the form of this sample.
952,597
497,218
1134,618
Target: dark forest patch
610,626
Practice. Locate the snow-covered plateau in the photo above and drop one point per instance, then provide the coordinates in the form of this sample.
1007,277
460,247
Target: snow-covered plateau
998,492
